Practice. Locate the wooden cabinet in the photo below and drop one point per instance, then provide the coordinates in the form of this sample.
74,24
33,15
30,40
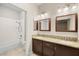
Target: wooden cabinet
61,50
48,49
37,46
44,48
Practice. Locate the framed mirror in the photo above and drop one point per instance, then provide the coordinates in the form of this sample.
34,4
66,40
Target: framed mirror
66,23
35,25
45,24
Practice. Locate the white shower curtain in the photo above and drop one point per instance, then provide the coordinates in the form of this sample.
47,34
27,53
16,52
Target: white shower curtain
8,34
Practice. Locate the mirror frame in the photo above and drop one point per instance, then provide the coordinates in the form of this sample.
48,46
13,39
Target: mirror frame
35,25
49,24
76,23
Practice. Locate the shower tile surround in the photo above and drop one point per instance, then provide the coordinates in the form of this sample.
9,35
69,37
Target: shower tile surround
74,39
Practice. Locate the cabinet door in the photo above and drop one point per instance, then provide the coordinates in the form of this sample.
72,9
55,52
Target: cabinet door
48,49
61,50
37,46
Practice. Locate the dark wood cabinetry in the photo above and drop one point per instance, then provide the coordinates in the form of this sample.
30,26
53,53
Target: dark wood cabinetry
37,46
44,48
61,50
48,49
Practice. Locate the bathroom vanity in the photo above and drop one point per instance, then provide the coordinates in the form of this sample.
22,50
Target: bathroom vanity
48,46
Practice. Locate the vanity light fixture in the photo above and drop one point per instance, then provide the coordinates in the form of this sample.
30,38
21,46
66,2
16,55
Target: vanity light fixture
74,7
59,10
66,9
42,16
46,15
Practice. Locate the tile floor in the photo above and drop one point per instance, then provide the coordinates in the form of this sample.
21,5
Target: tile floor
33,54
14,52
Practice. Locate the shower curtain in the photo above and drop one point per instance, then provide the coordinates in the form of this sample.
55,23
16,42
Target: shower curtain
9,37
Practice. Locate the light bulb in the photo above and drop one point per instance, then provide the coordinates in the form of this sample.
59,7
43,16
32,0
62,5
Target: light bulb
46,15
59,10
74,7
66,8
42,16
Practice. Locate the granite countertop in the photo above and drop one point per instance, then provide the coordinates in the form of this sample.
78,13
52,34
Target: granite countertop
57,41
